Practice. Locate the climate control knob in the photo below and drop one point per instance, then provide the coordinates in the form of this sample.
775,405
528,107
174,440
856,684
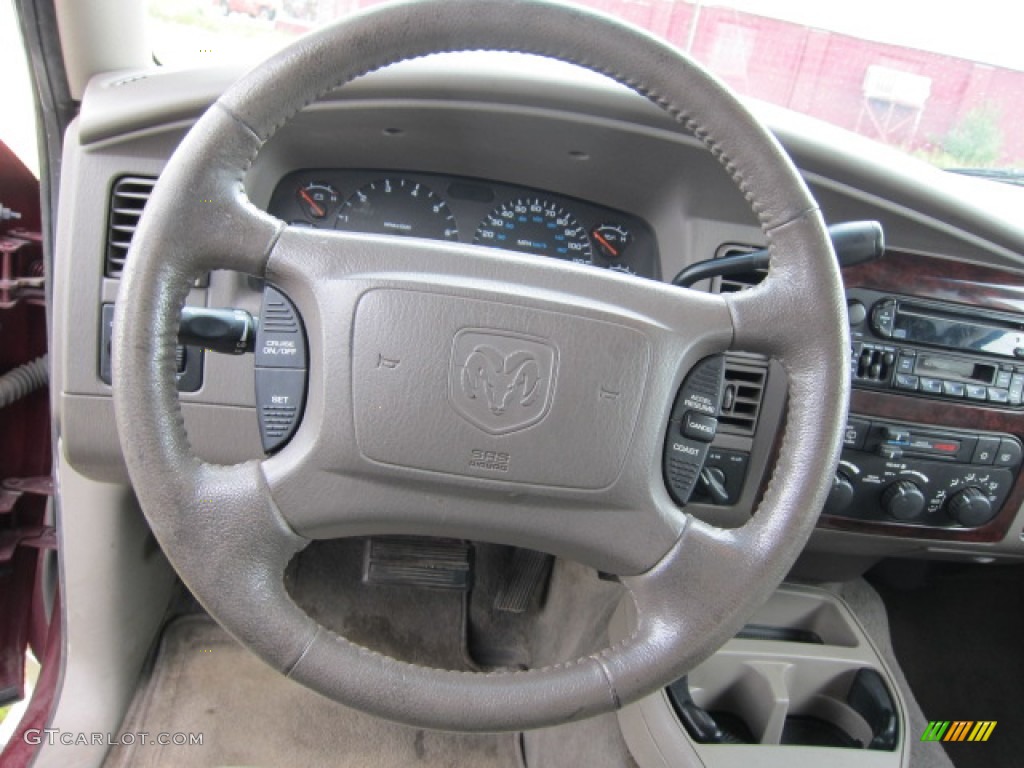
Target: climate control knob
904,501
841,495
970,507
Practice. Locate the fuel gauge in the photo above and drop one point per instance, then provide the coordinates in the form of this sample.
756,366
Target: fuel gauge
611,240
316,199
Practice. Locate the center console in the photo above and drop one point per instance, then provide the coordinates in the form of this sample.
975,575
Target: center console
802,684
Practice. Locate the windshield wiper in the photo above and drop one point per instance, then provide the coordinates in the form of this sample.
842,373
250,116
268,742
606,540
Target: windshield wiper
1005,175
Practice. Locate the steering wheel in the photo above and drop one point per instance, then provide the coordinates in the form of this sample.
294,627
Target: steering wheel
388,449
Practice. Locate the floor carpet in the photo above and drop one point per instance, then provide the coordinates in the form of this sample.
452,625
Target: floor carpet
249,715
958,632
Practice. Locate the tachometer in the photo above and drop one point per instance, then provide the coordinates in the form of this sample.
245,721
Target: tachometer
535,225
398,207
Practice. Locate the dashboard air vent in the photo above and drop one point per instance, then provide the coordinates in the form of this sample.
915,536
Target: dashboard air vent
741,397
127,200
742,281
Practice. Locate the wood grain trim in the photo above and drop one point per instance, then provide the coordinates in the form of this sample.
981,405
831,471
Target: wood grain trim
931,277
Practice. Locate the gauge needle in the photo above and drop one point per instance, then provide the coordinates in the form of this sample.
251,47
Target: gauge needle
318,211
603,241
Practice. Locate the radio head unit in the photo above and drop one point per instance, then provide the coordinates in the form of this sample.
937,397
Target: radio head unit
940,325
936,350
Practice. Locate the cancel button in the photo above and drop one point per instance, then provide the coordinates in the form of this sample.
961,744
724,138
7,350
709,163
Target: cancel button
699,426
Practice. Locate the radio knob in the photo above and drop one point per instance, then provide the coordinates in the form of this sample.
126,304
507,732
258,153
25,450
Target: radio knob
841,495
904,501
970,507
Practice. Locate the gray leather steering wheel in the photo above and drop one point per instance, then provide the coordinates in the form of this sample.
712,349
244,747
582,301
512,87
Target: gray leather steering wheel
230,531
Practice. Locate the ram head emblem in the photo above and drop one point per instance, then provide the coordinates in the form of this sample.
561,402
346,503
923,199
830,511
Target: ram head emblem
490,374
501,382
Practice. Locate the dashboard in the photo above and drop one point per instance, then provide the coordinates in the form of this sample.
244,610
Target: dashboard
591,173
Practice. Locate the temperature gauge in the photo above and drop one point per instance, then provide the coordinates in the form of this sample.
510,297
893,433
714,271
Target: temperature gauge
316,199
611,240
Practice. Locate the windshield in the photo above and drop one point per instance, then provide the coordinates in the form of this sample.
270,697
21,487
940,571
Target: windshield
943,82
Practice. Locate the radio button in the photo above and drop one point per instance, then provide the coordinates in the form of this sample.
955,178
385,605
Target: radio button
986,450
977,392
997,395
931,386
1003,379
953,388
1009,454
883,315
1016,390
905,364
905,381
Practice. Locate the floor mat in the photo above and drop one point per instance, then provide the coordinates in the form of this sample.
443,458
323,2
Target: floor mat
203,682
959,637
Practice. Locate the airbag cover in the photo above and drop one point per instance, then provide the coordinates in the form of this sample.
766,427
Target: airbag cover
511,393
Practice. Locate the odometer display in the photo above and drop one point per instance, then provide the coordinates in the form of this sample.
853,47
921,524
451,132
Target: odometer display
535,225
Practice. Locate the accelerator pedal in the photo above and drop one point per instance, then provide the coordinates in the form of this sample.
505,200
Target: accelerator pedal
528,573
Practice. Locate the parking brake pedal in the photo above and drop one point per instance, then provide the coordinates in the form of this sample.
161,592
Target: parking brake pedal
406,561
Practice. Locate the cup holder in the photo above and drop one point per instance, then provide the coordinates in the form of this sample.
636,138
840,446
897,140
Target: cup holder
773,699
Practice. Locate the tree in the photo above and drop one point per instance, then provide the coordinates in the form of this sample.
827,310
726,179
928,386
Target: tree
975,141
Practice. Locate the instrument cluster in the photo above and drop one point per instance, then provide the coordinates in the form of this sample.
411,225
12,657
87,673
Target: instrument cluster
466,210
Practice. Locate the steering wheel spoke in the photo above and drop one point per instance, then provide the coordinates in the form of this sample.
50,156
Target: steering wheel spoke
772,317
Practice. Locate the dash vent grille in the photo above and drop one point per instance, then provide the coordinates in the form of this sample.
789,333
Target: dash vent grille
742,395
127,200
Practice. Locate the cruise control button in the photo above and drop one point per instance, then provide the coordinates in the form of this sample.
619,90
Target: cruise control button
684,460
699,426
702,390
280,393
695,411
280,342
1009,453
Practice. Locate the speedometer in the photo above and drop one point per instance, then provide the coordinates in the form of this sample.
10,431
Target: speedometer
535,225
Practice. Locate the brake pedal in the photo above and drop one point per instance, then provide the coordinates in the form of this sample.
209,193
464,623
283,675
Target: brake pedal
407,561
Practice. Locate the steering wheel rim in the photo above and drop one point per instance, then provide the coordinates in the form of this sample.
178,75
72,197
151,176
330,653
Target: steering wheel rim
231,531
